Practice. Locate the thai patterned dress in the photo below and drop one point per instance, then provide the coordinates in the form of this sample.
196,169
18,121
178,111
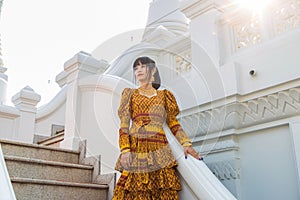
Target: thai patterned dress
151,175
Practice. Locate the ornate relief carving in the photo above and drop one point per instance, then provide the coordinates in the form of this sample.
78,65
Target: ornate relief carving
237,115
286,16
182,63
225,170
247,33
252,28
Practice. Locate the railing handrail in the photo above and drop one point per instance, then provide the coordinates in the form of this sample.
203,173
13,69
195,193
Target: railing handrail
197,175
7,191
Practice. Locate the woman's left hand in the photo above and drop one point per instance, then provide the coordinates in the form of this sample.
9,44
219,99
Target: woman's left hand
192,152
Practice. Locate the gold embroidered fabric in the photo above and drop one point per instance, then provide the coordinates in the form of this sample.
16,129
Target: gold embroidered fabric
151,174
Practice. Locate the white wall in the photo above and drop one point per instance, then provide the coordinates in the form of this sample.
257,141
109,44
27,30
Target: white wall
100,98
7,128
43,125
98,124
9,121
52,113
275,62
268,165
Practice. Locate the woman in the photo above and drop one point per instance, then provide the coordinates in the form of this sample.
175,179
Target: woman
146,161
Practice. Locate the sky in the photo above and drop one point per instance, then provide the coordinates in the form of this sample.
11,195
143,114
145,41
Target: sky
38,36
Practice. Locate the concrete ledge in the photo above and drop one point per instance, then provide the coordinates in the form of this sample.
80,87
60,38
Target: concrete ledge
46,162
31,189
50,170
52,140
37,146
58,183
39,152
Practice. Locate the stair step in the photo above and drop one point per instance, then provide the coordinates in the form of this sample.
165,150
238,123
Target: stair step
33,189
13,148
52,170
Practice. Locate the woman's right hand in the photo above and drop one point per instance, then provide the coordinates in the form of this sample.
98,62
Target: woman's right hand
126,160
190,150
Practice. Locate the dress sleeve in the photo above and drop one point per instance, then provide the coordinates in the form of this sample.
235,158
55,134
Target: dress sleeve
124,113
172,111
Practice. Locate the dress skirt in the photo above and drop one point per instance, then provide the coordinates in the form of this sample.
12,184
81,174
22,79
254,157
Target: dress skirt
157,185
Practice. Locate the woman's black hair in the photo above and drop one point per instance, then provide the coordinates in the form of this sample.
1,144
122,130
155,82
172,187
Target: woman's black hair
150,64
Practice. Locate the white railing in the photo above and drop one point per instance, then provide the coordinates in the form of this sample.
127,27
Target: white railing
7,192
197,176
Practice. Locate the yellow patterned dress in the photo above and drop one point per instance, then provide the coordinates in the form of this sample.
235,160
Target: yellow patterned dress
151,175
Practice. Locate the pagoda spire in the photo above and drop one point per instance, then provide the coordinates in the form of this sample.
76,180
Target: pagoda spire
1,60
166,14
3,76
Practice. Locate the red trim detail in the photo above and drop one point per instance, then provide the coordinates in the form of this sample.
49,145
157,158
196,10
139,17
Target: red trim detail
148,133
151,140
146,115
175,129
122,133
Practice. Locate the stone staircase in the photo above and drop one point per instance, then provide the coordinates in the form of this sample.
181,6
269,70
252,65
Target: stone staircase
39,172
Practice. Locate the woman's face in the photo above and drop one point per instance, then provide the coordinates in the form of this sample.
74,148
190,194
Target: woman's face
141,73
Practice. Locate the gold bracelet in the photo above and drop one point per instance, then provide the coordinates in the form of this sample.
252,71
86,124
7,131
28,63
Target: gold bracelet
125,150
187,144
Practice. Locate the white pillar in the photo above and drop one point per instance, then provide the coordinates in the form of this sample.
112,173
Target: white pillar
81,65
204,18
205,51
25,101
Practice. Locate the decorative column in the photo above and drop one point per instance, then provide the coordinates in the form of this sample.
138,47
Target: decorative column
204,18
205,52
3,77
78,67
25,101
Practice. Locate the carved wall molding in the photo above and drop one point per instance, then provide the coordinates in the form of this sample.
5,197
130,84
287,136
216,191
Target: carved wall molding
225,170
236,115
217,146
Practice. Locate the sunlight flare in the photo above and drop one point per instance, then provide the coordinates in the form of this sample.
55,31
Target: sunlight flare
254,5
